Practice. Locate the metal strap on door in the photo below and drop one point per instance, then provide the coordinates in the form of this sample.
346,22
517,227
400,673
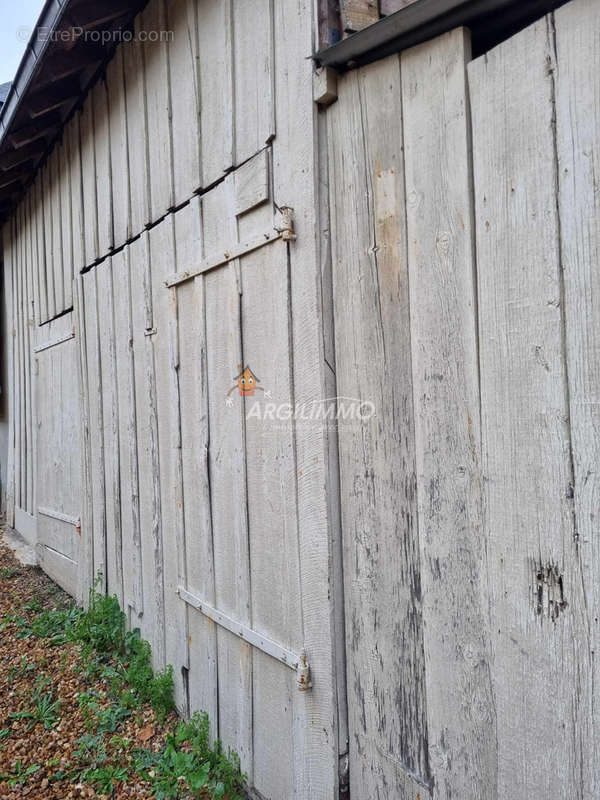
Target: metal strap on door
284,231
297,662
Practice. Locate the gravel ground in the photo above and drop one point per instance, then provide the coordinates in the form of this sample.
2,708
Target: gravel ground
30,662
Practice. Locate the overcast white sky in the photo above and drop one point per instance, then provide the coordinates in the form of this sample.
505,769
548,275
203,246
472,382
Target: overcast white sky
16,18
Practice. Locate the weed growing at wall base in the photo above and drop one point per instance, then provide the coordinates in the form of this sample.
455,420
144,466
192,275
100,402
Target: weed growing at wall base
187,764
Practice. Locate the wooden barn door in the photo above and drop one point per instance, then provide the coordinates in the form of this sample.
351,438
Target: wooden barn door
58,457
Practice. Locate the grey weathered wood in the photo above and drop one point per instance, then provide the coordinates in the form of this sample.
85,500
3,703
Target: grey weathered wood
137,139
215,49
439,210
165,354
153,621
10,310
315,733
20,371
227,470
102,155
119,156
90,192
577,115
158,103
57,454
110,419
85,577
96,427
66,222
76,184
388,730
46,189
251,183
55,167
38,203
29,324
184,76
253,76
272,515
61,569
129,471
536,585
190,394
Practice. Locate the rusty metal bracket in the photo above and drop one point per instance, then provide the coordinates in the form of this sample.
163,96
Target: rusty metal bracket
299,663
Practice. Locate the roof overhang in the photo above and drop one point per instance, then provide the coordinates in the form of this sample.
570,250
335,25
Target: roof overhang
64,57
490,22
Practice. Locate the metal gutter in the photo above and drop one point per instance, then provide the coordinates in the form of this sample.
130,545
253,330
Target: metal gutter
48,20
491,20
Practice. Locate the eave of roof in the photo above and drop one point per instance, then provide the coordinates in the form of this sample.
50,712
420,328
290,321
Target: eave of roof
490,22
55,73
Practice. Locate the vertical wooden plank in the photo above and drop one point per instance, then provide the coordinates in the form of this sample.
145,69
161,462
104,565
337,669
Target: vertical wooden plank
215,48
46,192
66,220
184,61
76,182
153,621
439,210
21,484
33,249
272,514
578,151
96,427
90,197
315,733
227,470
388,730
102,148
253,72
38,203
130,496
165,353
197,559
535,581
55,166
86,550
119,162
137,138
110,433
158,100
29,322
9,300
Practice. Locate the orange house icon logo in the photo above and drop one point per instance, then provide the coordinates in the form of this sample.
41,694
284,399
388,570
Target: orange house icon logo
246,382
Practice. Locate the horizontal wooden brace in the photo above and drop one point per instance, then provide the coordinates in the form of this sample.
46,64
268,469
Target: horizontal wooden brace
267,646
53,342
49,512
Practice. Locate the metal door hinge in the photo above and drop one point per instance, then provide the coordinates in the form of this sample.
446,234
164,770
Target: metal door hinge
286,229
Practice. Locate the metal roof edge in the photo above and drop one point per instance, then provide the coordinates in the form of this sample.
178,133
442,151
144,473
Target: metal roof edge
425,19
49,17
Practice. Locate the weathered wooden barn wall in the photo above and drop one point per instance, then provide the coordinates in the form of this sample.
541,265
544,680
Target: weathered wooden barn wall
464,235
444,269
186,151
